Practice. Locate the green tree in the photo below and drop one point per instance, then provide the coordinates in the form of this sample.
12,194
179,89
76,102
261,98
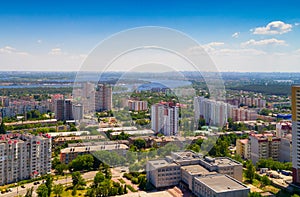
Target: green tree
29,192
58,189
2,128
55,162
42,191
140,143
265,181
99,177
60,168
254,194
250,172
77,179
49,181
82,162
201,123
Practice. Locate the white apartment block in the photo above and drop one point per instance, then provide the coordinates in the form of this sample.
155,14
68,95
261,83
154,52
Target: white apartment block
216,113
24,156
164,118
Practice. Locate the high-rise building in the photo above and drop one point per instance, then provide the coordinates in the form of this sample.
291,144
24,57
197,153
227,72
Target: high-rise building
59,109
103,97
137,105
63,109
164,118
24,156
216,113
77,112
296,133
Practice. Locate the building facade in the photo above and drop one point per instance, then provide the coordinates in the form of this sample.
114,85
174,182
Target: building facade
24,156
164,118
103,98
264,146
296,133
137,105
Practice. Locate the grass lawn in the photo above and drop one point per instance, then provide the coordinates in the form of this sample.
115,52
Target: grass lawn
68,193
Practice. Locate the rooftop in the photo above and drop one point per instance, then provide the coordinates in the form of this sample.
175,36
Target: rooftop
160,163
196,170
185,155
221,183
221,161
94,148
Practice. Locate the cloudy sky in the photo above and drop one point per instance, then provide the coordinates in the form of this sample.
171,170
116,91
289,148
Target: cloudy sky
238,35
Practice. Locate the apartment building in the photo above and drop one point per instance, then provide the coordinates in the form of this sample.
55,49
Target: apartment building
137,105
264,146
296,133
164,118
243,148
103,97
24,156
216,113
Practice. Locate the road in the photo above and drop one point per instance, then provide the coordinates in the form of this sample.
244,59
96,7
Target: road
22,191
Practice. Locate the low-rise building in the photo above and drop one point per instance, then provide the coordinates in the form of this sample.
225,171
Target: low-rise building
70,153
219,186
224,165
162,173
189,172
84,138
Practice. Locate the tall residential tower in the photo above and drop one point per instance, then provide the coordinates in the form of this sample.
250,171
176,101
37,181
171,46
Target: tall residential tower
296,133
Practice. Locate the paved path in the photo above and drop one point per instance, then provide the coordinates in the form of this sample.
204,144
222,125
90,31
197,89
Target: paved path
22,191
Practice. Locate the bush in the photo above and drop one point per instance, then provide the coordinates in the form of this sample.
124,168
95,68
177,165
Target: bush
121,181
135,180
131,188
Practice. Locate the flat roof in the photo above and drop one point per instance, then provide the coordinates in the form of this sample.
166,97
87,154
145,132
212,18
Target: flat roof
185,155
221,161
161,163
76,133
135,132
94,148
221,183
196,170
117,129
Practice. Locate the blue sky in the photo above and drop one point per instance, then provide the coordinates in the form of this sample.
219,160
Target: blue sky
58,35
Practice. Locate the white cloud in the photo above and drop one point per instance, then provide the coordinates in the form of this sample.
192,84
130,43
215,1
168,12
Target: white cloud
247,52
275,27
7,50
211,46
55,51
235,35
215,44
296,24
11,50
39,41
272,41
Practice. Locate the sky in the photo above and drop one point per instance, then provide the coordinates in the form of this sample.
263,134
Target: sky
239,36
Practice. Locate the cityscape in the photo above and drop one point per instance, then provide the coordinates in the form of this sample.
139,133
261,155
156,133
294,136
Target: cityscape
120,98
